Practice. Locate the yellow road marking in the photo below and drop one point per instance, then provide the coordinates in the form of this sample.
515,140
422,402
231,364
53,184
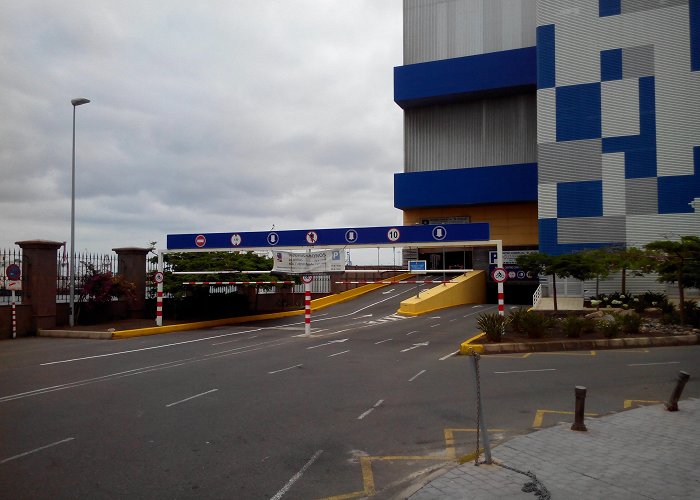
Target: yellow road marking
366,463
630,402
539,416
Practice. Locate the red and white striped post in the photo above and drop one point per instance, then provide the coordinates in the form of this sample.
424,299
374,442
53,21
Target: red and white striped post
500,299
159,305
14,316
159,277
307,304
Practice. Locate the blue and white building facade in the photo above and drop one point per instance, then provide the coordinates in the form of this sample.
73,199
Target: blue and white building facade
588,110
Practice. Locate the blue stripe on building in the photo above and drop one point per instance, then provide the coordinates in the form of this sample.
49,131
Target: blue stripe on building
466,186
507,71
694,11
546,57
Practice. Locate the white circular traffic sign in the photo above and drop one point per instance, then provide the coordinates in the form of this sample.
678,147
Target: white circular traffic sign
273,239
236,240
393,234
311,237
499,275
158,277
200,240
351,235
439,233
307,278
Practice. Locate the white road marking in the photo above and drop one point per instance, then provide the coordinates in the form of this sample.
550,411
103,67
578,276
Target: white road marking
388,291
129,373
416,346
376,405
149,348
411,332
338,353
433,326
296,476
528,371
651,364
364,316
191,397
285,369
15,457
382,341
417,375
449,355
328,343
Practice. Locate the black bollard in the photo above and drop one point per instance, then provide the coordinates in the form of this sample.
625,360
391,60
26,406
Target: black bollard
578,424
672,404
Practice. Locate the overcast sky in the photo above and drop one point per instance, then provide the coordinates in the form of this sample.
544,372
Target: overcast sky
205,117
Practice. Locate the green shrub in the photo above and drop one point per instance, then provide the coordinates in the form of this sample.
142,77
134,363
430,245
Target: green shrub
516,319
631,323
609,327
670,318
535,325
589,325
573,326
692,313
492,324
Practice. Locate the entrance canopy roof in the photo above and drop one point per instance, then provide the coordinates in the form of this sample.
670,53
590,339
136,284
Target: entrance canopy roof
428,235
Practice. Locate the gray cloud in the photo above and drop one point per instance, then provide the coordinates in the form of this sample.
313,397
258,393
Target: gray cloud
205,116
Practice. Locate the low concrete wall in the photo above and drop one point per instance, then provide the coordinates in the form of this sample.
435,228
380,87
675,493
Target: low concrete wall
469,288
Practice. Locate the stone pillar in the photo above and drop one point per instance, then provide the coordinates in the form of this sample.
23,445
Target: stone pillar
131,265
39,277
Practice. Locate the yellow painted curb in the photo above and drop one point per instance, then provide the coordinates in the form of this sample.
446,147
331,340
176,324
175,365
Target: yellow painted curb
467,346
183,327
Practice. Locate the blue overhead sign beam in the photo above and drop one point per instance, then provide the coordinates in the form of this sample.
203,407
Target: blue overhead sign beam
384,236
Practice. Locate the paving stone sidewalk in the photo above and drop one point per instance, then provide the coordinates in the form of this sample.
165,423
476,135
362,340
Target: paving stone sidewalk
644,453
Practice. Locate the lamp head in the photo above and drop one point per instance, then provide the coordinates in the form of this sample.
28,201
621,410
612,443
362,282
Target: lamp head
79,100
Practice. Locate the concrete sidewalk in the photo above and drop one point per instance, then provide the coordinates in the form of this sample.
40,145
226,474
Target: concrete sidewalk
646,452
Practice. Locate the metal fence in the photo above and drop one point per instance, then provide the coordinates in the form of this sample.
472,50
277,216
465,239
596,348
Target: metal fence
84,263
8,256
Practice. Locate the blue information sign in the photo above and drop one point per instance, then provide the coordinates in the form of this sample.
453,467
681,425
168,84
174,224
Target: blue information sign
338,237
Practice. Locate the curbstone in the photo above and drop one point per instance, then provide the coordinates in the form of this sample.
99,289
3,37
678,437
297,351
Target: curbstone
576,345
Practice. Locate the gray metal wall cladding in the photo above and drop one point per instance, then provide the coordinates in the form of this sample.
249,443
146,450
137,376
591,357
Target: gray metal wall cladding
499,131
443,29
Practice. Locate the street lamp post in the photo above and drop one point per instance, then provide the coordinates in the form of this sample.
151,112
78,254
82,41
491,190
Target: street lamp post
71,318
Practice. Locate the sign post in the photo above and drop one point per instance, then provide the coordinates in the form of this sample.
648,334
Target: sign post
158,277
499,275
307,279
14,275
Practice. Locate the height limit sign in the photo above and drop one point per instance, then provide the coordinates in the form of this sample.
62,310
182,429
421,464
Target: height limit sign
499,275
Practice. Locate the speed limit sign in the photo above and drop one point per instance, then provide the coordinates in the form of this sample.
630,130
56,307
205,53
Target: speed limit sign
158,277
499,275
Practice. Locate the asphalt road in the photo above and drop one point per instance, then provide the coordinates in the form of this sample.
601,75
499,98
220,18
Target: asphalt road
256,411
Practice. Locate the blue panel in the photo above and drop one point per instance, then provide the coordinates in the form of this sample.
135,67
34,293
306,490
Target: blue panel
548,240
578,112
694,35
462,77
609,8
466,186
325,238
546,57
580,199
675,193
611,65
640,150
